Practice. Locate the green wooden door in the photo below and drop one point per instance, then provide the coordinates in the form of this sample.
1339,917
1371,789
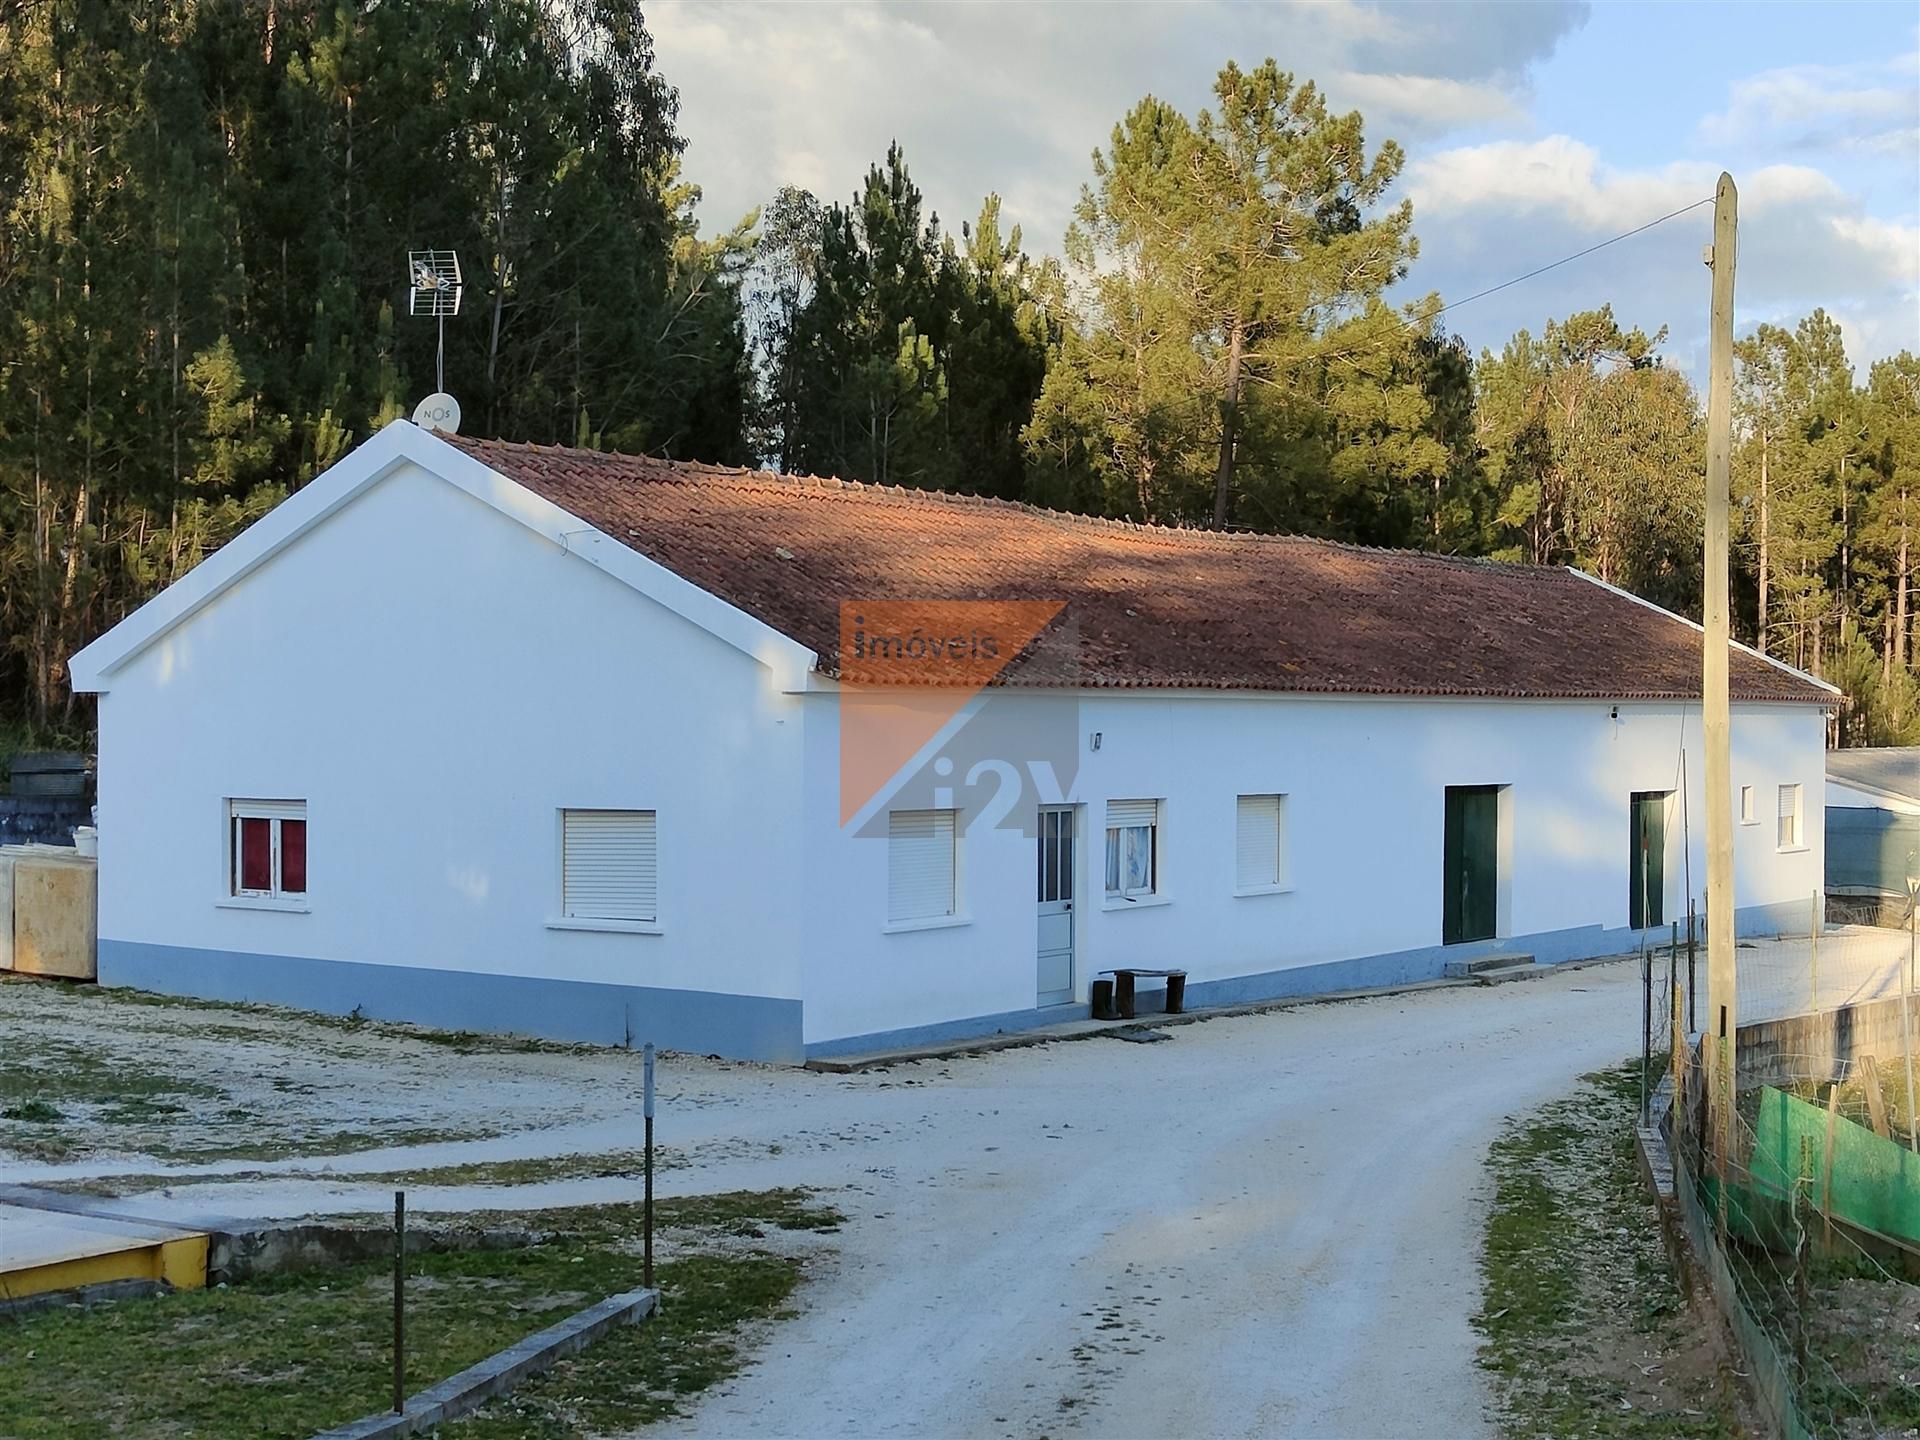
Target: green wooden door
1647,859
1472,863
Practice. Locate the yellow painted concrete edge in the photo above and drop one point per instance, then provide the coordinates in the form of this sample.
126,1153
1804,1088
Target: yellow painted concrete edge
180,1262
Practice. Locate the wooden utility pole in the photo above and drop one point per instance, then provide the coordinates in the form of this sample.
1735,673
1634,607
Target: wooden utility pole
1722,1017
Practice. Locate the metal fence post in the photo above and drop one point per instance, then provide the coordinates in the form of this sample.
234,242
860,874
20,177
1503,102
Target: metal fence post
399,1302
1646,1026
646,1110
1692,1025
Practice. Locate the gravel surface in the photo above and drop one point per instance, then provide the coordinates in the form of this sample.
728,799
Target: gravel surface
1268,1224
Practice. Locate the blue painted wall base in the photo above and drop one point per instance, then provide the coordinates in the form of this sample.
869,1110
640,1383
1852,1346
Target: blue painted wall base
1363,972
756,1027
702,1022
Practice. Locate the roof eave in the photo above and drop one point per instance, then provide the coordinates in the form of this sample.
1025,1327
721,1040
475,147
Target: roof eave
399,443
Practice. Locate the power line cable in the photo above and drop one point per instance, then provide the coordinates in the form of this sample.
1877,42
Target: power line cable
1568,259
1416,323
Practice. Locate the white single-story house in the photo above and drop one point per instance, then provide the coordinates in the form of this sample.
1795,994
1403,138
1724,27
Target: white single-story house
497,736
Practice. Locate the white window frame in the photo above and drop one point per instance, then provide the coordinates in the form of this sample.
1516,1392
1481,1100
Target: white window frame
274,897
939,819
1749,806
1279,882
567,917
1797,814
1128,818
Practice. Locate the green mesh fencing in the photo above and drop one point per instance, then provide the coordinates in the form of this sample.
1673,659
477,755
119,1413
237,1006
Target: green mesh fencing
1871,851
1875,1182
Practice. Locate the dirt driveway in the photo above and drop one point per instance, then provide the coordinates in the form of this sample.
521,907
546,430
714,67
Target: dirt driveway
1263,1225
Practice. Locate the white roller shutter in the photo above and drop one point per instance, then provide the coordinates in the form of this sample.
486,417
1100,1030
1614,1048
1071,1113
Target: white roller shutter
1789,832
610,865
1122,813
920,864
1257,842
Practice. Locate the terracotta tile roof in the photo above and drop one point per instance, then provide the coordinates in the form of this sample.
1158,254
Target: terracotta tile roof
1147,606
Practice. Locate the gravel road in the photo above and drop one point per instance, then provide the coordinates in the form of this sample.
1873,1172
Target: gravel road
1263,1225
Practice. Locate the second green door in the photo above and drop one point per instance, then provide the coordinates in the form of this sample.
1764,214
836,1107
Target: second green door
1471,862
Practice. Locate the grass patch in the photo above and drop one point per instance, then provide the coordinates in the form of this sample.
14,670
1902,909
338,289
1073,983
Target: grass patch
611,1165
298,1353
464,1042
48,1087
61,1099
55,1070
1584,1328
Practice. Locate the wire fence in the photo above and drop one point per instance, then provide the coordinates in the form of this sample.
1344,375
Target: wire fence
1852,987
1779,1186
1795,1277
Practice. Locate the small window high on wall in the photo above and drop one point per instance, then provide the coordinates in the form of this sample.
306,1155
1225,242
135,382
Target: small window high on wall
267,849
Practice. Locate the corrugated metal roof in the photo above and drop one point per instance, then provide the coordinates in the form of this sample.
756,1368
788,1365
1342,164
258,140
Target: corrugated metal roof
1892,768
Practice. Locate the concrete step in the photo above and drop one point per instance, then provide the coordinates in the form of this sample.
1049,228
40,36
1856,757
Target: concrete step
1481,965
1522,970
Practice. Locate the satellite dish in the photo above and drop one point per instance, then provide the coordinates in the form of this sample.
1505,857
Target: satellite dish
439,411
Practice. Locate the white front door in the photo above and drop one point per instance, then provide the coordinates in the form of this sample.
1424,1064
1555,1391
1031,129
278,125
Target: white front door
1055,977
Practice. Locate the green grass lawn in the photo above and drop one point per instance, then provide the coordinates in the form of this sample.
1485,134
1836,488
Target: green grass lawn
294,1354
1585,1329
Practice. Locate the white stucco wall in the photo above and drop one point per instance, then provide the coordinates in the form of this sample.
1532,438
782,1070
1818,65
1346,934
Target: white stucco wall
437,682
1365,781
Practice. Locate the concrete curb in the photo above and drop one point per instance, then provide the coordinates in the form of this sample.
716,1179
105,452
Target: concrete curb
498,1374
84,1297
1088,1029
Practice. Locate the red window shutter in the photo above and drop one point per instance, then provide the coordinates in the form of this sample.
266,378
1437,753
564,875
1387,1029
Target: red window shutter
256,854
293,857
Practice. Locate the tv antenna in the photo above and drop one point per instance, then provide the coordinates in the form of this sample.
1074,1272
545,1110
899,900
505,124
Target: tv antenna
435,289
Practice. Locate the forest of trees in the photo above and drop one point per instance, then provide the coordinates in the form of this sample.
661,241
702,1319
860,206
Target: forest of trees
207,208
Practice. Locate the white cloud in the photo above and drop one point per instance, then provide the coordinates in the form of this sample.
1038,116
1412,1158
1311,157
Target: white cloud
1873,107
1399,105
1016,98
1488,212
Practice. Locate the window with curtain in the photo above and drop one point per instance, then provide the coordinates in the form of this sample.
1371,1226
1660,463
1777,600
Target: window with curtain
1133,848
267,849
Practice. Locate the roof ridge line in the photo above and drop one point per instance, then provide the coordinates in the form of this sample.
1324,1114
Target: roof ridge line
801,479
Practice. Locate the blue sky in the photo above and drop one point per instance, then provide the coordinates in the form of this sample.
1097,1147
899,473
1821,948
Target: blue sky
1532,130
